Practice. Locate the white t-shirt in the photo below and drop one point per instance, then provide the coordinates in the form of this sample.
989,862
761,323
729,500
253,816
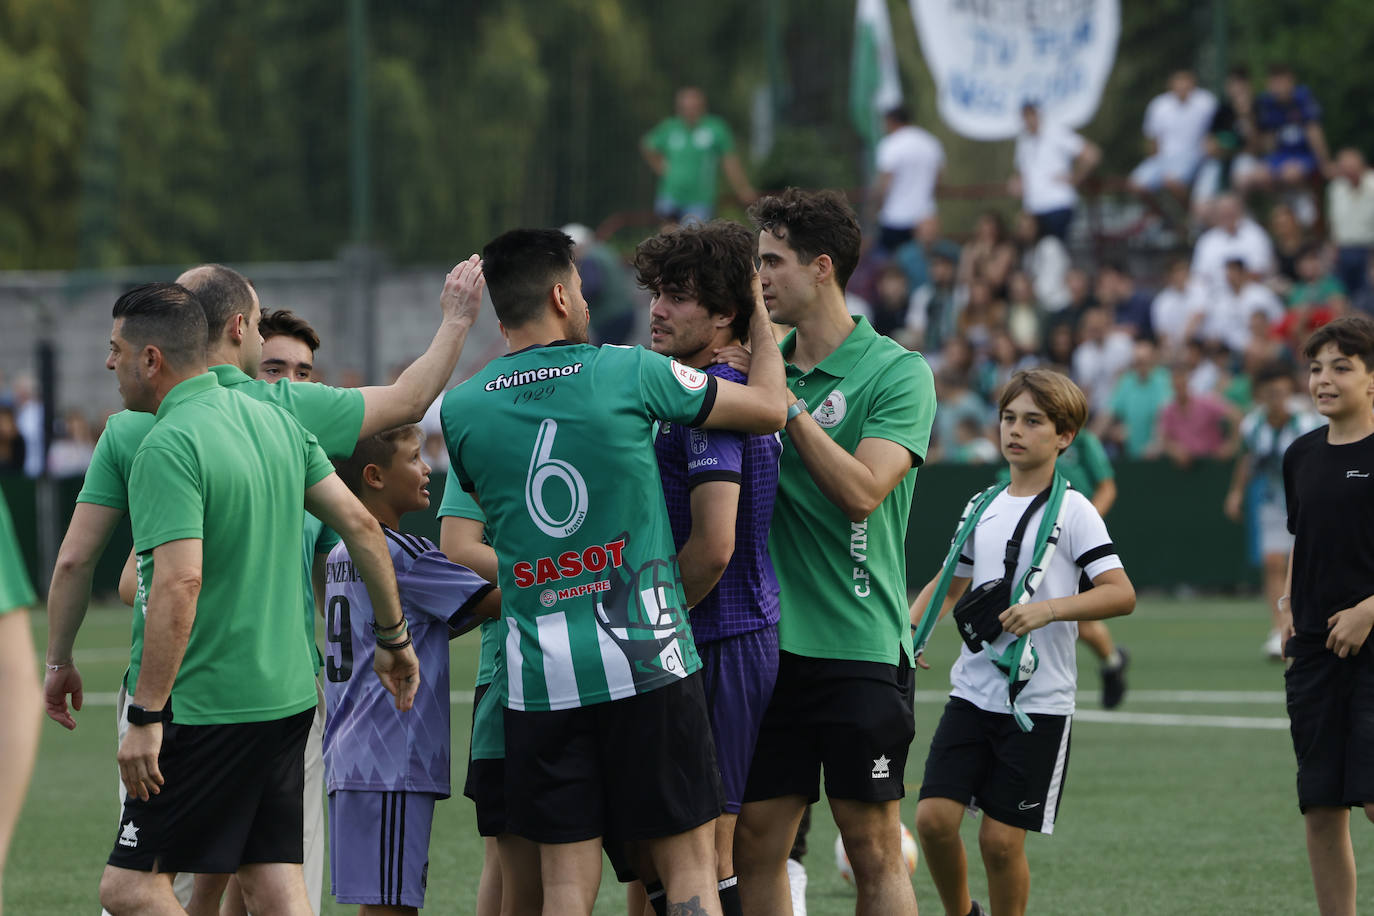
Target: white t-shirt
913,157
1216,246
1228,315
1096,366
1350,210
1179,127
1173,309
1045,163
1084,538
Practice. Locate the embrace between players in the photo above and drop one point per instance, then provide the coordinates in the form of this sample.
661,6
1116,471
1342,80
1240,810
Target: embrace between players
696,616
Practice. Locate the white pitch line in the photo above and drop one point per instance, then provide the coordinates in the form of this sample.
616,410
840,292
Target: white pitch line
1180,721
1242,697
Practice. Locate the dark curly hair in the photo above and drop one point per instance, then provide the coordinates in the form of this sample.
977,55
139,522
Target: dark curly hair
812,223
286,323
713,262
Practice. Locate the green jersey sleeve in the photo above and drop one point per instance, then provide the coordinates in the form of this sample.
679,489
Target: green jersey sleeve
657,138
15,589
107,478
333,415
1095,460
317,463
672,391
904,407
457,502
168,502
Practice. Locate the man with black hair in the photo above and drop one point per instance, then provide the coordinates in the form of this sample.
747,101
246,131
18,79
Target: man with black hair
1050,163
288,347
606,728
719,487
857,429
212,760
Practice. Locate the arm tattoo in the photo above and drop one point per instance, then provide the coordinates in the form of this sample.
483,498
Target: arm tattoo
692,907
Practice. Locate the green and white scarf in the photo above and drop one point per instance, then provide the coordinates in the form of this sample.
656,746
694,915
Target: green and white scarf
1020,660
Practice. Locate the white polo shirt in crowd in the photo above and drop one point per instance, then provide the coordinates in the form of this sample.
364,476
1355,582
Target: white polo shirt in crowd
913,157
1229,313
1096,366
1084,548
1173,309
1179,126
1350,211
1045,162
1216,246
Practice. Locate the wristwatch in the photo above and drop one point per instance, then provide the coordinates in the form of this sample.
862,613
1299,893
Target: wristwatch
797,409
137,715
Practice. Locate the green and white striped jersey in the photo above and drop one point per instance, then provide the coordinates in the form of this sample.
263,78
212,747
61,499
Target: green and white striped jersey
555,444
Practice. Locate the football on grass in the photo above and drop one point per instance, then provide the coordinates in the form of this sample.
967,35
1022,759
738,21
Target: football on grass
910,853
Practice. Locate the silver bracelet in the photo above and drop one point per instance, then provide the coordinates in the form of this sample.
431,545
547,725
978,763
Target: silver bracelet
57,667
1282,600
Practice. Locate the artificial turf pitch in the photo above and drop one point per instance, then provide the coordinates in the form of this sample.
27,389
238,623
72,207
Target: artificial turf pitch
1183,804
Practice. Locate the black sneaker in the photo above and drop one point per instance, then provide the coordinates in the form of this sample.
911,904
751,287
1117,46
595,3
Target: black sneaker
977,909
1114,680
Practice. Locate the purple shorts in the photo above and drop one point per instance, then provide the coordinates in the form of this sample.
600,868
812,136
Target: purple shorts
738,673
379,846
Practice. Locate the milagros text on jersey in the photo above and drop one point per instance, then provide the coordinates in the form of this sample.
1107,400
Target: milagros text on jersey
530,376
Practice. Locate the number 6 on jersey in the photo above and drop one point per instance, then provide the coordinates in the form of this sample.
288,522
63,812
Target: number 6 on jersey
543,467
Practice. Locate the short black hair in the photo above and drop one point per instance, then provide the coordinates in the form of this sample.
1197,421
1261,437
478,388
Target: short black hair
713,262
1352,335
899,113
813,223
223,293
1271,372
379,450
286,323
1280,69
520,267
167,316
1239,72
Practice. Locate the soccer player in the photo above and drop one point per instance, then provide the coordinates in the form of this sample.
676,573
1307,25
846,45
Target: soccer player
387,769
719,487
19,683
858,427
606,730
1257,482
338,417
510,864
1329,609
221,678
1003,740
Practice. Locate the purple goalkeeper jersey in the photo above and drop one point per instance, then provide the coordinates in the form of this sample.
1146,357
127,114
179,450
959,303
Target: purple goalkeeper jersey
746,598
369,745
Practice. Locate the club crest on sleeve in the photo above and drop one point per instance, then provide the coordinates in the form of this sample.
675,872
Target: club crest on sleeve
697,438
688,377
831,411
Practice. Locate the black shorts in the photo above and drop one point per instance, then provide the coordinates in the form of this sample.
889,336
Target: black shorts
231,795
983,758
486,783
1331,719
639,768
852,719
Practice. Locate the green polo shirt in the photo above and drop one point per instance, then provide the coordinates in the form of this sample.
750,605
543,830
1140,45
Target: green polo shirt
691,155
230,472
333,415
488,730
844,583
107,477
15,589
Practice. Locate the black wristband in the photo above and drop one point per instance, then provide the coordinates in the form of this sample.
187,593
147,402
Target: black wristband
395,646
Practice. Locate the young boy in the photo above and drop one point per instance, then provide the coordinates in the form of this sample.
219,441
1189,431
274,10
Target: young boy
1002,743
1257,483
386,770
1328,479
